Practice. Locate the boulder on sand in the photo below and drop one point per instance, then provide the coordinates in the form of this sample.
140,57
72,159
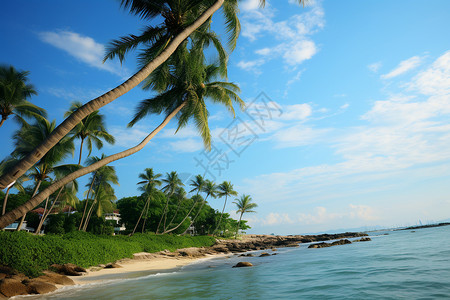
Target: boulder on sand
40,287
243,264
264,254
55,278
12,287
68,269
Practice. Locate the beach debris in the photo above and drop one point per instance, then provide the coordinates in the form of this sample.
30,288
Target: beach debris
243,264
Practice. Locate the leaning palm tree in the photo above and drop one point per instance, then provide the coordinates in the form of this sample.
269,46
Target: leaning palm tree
210,189
181,17
17,184
91,129
14,92
244,205
148,184
28,137
172,182
224,189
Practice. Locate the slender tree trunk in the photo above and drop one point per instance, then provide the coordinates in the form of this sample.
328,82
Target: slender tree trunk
81,150
5,201
220,219
68,124
2,121
140,216
25,214
45,215
239,224
16,213
87,200
88,216
179,224
176,212
164,216
196,215
146,215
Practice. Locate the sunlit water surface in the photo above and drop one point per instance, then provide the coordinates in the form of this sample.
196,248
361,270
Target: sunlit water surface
400,265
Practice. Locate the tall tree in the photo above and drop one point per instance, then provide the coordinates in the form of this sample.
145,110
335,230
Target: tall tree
196,14
18,184
91,129
225,189
28,137
172,182
244,205
149,181
14,92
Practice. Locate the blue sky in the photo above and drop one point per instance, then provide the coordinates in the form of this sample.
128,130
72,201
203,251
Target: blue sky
347,122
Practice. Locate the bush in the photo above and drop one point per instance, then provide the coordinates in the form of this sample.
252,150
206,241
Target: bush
31,254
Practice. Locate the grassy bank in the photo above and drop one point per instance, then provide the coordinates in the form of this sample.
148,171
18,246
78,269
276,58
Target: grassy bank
31,254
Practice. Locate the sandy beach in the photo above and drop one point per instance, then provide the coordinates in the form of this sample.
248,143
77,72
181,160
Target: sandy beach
142,264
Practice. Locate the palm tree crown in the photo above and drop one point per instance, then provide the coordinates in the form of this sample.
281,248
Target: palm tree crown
14,91
245,204
91,129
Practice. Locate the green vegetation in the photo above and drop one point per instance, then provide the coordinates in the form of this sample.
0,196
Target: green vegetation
31,254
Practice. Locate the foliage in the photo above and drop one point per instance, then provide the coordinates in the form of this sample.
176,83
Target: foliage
31,254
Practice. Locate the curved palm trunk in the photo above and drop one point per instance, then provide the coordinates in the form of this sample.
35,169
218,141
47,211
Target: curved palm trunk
25,214
176,227
221,215
196,215
146,215
164,215
81,151
176,212
6,199
86,204
137,223
3,121
239,224
45,215
68,124
16,213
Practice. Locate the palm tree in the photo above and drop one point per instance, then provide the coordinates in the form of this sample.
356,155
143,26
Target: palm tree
179,194
14,91
91,129
172,182
244,205
104,192
28,137
210,189
179,28
18,184
148,184
225,189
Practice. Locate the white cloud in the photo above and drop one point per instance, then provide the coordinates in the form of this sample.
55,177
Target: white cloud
84,48
251,65
249,5
435,79
128,137
374,67
187,145
404,67
293,44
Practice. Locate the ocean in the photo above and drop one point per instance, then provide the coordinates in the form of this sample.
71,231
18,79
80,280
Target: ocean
411,264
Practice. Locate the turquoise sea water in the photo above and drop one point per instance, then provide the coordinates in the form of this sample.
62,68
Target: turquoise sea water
400,265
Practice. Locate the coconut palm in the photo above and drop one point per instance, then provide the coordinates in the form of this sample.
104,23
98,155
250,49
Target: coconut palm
181,17
103,191
18,184
14,92
28,137
148,184
210,189
225,189
91,129
244,205
172,182
180,195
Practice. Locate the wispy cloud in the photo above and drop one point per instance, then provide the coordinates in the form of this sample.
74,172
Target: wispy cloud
293,36
404,67
83,48
375,67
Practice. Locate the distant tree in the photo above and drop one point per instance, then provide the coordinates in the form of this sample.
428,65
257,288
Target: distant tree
244,205
225,189
172,182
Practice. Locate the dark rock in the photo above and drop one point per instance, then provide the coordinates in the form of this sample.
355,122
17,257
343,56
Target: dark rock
55,278
40,287
274,253
341,242
243,264
324,245
12,287
7,270
68,269
264,254
2,275
319,245
112,266
363,240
